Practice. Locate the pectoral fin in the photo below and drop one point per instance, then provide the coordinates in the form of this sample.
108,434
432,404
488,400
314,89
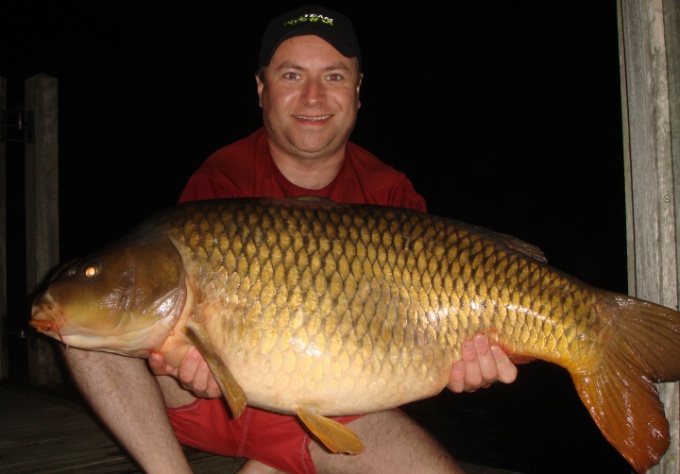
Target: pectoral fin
236,397
335,436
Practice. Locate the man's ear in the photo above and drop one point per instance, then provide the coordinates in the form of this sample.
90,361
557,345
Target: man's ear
361,77
260,87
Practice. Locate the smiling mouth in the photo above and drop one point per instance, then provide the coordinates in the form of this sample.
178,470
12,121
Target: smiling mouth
312,119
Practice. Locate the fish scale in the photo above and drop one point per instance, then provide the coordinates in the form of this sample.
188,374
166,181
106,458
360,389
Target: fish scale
314,308
362,269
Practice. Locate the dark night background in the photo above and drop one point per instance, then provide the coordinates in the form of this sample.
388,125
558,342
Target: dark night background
503,114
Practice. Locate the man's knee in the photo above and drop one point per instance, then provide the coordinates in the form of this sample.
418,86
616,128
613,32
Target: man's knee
393,443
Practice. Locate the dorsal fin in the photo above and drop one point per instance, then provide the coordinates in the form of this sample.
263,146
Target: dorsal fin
519,245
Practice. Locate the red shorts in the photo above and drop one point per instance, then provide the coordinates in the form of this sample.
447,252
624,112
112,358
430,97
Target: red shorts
277,440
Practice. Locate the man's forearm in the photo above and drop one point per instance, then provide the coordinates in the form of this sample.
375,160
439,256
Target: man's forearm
127,399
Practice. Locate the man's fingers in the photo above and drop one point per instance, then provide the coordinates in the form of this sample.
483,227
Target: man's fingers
486,362
158,365
473,370
188,367
196,377
213,390
507,371
200,382
482,365
457,379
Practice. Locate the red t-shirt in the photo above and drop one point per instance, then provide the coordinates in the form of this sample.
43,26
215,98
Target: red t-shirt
246,169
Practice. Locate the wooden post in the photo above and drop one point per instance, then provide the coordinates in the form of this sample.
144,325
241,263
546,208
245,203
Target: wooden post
42,208
648,33
4,365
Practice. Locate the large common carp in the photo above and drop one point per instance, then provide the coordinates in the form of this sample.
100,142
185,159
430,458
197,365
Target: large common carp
314,308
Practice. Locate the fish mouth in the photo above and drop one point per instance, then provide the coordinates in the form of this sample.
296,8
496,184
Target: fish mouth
47,319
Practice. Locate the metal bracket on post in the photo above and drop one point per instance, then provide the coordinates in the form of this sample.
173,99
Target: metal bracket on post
16,125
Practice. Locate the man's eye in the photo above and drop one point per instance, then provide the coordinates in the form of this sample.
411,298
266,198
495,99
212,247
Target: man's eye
335,77
291,76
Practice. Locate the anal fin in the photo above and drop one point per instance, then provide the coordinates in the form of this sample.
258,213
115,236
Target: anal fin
234,394
335,436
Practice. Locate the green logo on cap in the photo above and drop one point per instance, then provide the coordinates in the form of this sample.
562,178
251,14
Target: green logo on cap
311,18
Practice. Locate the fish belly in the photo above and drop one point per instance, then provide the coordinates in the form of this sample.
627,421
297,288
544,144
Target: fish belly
339,370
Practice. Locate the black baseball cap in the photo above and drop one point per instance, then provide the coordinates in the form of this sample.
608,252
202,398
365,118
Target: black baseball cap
323,22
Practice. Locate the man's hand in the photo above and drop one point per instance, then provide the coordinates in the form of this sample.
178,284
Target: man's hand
193,374
482,365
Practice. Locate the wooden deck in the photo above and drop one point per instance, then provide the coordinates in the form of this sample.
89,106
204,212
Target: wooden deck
48,430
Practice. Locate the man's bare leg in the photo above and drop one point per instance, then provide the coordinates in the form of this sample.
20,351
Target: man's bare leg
126,397
175,396
394,443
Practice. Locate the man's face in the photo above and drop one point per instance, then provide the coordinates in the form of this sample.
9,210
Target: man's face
309,98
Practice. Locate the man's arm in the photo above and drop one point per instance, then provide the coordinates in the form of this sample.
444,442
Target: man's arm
127,399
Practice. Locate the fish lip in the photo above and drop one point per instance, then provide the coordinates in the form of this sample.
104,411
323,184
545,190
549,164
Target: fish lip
46,317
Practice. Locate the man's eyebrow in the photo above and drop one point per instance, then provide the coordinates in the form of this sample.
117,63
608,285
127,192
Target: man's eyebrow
288,65
330,67
342,66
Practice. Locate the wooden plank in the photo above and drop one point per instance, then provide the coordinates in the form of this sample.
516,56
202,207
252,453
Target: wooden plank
652,198
42,207
4,364
39,433
671,15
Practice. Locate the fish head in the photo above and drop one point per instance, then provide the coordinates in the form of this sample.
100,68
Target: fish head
125,298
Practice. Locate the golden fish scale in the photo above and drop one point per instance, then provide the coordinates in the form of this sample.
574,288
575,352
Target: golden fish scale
366,305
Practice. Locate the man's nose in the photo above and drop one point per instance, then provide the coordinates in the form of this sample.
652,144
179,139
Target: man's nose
314,92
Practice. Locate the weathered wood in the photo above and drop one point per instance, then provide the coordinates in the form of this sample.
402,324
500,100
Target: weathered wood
4,364
652,200
42,207
672,36
43,433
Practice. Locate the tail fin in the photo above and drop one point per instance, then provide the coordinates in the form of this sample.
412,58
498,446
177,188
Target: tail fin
642,347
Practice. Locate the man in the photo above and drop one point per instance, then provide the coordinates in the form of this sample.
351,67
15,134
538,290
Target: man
308,86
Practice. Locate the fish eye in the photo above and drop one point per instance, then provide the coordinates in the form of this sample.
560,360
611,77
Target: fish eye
91,270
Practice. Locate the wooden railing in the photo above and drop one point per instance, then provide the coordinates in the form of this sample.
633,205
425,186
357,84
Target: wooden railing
39,128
